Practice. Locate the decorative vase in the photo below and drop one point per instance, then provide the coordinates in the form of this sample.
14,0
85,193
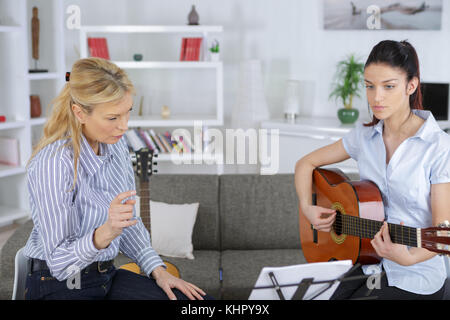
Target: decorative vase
292,100
35,106
137,57
348,116
193,17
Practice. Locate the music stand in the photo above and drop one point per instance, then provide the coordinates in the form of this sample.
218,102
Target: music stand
303,282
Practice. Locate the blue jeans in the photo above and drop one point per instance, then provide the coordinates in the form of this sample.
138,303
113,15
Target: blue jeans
114,284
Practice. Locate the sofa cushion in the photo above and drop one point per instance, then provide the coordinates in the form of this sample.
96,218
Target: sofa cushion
185,188
241,268
203,271
259,212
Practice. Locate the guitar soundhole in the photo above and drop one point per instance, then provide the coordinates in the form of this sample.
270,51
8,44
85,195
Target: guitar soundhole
337,225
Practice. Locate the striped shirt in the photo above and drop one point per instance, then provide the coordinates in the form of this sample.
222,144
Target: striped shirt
65,221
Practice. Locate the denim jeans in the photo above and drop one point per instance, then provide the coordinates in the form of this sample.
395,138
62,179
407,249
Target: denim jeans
114,284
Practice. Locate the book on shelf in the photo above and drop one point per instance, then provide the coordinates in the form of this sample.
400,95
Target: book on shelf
158,142
149,142
164,141
168,142
98,47
191,49
9,151
134,140
178,144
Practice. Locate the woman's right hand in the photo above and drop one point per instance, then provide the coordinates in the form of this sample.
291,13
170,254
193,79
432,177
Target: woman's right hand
119,215
322,219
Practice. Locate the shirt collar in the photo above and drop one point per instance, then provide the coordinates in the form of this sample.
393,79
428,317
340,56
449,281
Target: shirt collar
426,131
89,160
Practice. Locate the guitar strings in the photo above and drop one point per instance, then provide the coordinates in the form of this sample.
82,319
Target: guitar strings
366,228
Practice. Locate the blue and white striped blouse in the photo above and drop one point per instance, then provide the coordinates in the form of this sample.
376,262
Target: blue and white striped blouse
64,222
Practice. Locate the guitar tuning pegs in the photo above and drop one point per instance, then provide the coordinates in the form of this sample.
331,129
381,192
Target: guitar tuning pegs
155,163
155,171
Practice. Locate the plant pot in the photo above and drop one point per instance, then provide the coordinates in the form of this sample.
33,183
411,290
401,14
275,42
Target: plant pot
214,56
348,116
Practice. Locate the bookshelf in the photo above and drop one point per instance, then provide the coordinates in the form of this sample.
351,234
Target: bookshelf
209,118
17,84
177,31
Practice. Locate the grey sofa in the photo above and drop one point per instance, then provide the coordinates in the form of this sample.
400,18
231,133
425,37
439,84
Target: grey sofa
244,223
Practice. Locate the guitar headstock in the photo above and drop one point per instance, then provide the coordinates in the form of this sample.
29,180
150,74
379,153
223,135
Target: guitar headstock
143,163
436,239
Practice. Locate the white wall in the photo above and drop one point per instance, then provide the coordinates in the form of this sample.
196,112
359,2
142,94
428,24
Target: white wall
287,35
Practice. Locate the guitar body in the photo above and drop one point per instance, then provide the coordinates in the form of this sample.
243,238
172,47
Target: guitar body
332,189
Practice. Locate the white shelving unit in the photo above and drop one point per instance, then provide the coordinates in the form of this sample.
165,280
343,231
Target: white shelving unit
215,118
203,31
17,84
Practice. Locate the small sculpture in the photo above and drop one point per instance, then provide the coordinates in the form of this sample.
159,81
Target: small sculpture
35,27
35,106
165,112
193,17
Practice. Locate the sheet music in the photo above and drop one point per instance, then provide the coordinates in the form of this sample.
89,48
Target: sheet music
320,271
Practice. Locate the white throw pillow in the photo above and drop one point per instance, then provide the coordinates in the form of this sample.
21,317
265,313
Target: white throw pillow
171,228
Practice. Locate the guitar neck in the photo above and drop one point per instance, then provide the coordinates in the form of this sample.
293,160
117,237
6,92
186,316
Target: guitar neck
365,228
144,196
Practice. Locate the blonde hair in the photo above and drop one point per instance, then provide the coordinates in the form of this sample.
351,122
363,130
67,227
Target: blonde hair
92,81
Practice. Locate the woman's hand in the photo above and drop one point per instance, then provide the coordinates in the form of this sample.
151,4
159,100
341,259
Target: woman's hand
166,281
322,219
385,248
119,215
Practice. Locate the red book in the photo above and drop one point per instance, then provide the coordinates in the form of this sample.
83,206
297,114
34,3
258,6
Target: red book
183,49
198,43
104,53
91,47
187,56
98,47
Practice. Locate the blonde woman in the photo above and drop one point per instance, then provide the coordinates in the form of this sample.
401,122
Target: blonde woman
79,177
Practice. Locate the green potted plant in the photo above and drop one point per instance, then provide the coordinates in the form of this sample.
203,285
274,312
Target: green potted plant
214,49
348,83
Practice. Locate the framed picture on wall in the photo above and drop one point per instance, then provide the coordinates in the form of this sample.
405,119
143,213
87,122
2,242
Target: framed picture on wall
382,14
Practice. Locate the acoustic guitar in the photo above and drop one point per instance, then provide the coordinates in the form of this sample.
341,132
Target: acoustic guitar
143,167
359,216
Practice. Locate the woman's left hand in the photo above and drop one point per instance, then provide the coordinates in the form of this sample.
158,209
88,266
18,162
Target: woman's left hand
167,282
385,248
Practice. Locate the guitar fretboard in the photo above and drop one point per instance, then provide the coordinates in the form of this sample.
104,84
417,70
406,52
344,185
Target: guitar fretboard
144,196
365,228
